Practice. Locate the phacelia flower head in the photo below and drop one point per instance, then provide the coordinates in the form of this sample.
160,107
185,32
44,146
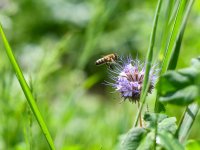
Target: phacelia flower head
128,76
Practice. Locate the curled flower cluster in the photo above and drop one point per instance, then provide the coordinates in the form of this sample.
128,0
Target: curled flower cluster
128,78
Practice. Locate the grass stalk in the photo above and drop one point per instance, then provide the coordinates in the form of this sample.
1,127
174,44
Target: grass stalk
26,90
172,50
177,45
146,83
173,36
187,121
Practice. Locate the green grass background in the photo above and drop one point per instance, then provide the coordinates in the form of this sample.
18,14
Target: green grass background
56,43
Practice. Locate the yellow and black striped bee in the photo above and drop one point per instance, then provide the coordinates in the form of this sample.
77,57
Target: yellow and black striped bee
108,60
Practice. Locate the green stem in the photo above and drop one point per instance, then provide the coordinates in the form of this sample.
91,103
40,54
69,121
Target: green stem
156,131
26,90
146,82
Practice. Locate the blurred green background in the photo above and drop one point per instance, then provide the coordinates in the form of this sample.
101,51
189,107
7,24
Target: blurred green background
56,44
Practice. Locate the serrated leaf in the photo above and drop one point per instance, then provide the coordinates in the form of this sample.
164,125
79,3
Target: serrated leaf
151,117
167,141
141,139
193,145
132,139
168,124
163,122
147,142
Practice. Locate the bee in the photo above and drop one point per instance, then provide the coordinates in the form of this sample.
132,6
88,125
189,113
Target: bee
108,60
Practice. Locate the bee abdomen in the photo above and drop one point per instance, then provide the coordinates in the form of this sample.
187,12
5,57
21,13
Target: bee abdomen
100,61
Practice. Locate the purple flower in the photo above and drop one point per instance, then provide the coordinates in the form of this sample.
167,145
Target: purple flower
128,77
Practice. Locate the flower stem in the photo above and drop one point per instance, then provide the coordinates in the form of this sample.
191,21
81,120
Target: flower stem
146,83
140,117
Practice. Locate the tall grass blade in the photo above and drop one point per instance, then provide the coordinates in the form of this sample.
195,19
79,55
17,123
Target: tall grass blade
174,58
166,27
168,21
26,90
177,46
148,64
170,58
173,36
187,122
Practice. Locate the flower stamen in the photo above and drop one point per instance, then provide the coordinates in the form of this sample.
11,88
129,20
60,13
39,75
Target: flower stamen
128,77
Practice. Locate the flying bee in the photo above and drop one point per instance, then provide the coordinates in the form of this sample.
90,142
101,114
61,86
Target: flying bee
108,60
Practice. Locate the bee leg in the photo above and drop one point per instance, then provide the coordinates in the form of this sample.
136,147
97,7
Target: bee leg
109,66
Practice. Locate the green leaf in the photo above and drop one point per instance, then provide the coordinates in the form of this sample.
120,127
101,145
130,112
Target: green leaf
193,145
167,141
159,107
159,132
152,118
168,124
163,122
147,142
180,87
182,97
132,139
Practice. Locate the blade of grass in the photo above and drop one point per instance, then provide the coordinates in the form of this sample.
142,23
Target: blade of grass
173,36
177,46
166,27
148,64
174,58
173,47
187,122
26,90
168,22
